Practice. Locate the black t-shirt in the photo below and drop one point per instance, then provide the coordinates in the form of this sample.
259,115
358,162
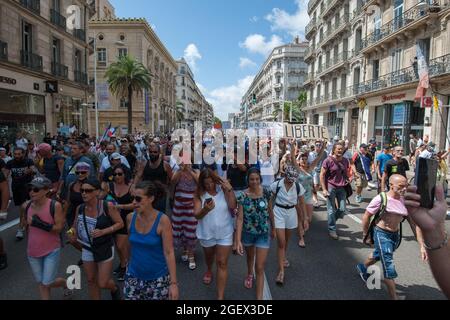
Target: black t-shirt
2,164
18,168
132,161
393,167
51,169
238,178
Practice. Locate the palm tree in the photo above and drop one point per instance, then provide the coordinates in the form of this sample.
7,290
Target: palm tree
180,112
297,105
125,77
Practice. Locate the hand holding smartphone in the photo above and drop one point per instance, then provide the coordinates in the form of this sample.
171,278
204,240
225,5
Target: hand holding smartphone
425,180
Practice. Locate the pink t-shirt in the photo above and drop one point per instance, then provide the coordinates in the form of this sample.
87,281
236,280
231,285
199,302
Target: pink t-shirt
394,206
40,242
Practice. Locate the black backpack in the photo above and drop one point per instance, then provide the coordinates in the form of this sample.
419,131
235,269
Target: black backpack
297,186
52,213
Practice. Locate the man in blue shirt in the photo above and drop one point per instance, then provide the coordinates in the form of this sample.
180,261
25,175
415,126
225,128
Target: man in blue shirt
382,159
68,175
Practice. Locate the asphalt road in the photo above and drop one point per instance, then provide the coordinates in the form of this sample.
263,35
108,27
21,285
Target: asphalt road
324,270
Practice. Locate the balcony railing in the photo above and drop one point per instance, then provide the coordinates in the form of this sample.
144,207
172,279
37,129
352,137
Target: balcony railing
392,79
60,70
408,17
336,28
334,61
80,77
31,60
33,5
311,4
3,50
440,66
329,4
80,34
57,19
310,27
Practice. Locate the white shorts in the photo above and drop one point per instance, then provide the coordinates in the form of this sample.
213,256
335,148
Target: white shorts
285,219
88,256
227,242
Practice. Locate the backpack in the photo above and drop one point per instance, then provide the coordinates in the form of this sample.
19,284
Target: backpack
52,213
376,218
297,186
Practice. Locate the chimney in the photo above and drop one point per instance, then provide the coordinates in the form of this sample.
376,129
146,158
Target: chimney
297,40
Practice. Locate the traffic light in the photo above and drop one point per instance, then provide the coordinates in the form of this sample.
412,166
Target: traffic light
254,98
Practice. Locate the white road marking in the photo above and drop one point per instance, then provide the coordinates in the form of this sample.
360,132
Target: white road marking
266,292
9,225
351,216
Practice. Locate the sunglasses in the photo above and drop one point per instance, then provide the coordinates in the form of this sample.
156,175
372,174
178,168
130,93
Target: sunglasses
34,189
138,199
79,173
87,191
118,174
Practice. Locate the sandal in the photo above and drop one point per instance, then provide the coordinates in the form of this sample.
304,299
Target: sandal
248,283
280,279
192,264
287,264
207,278
302,244
184,257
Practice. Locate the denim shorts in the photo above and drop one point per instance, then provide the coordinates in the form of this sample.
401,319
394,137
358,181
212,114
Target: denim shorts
385,245
45,268
261,241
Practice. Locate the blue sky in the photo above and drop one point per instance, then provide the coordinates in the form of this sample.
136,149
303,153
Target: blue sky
224,41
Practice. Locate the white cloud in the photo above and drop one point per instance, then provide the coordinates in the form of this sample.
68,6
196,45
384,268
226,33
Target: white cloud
254,19
228,99
191,55
256,43
294,24
202,88
246,62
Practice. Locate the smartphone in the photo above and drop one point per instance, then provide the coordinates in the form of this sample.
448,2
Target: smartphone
208,201
425,180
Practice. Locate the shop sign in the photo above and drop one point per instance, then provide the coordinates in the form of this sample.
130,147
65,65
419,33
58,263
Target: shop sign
8,80
387,98
398,114
426,102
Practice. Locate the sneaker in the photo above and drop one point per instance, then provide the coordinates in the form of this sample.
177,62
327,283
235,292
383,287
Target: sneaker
358,199
333,235
20,234
116,294
362,270
3,215
3,261
68,294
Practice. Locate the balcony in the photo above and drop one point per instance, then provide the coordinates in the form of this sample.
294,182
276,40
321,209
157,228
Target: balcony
80,77
59,70
278,86
366,3
393,79
329,6
310,28
3,51
335,62
412,19
311,5
319,100
309,79
31,60
33,5
337,28
57,19
440,67
80,34
310,53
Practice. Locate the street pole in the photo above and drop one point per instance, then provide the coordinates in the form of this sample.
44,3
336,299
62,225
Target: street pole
290,112
95,88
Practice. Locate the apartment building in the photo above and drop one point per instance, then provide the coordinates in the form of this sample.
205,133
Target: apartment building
397,31
43,67
363,74
190,99
280,80
154,111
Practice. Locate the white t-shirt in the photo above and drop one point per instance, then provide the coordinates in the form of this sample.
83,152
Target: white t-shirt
284,197
426,154
106,164
217,224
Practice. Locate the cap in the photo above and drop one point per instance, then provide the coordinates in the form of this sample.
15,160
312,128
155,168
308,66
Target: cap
365,146
2,149
336,138
387,147
41,182
44,147
116,156
83,166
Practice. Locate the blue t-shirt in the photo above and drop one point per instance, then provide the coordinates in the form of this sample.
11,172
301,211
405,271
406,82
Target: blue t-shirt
383,159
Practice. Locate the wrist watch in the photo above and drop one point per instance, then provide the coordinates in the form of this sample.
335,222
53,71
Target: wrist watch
442,245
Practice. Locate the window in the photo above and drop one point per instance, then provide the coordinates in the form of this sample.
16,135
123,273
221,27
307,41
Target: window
332,119
27,42
375,69
124,103
123,52
280,51
398,14
101,56
182,70
56,51
278,79
316,120
183,82
278,64
77,64
56,5
396,60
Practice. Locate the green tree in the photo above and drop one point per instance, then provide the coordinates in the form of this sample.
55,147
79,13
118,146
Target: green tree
297,106
126,77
